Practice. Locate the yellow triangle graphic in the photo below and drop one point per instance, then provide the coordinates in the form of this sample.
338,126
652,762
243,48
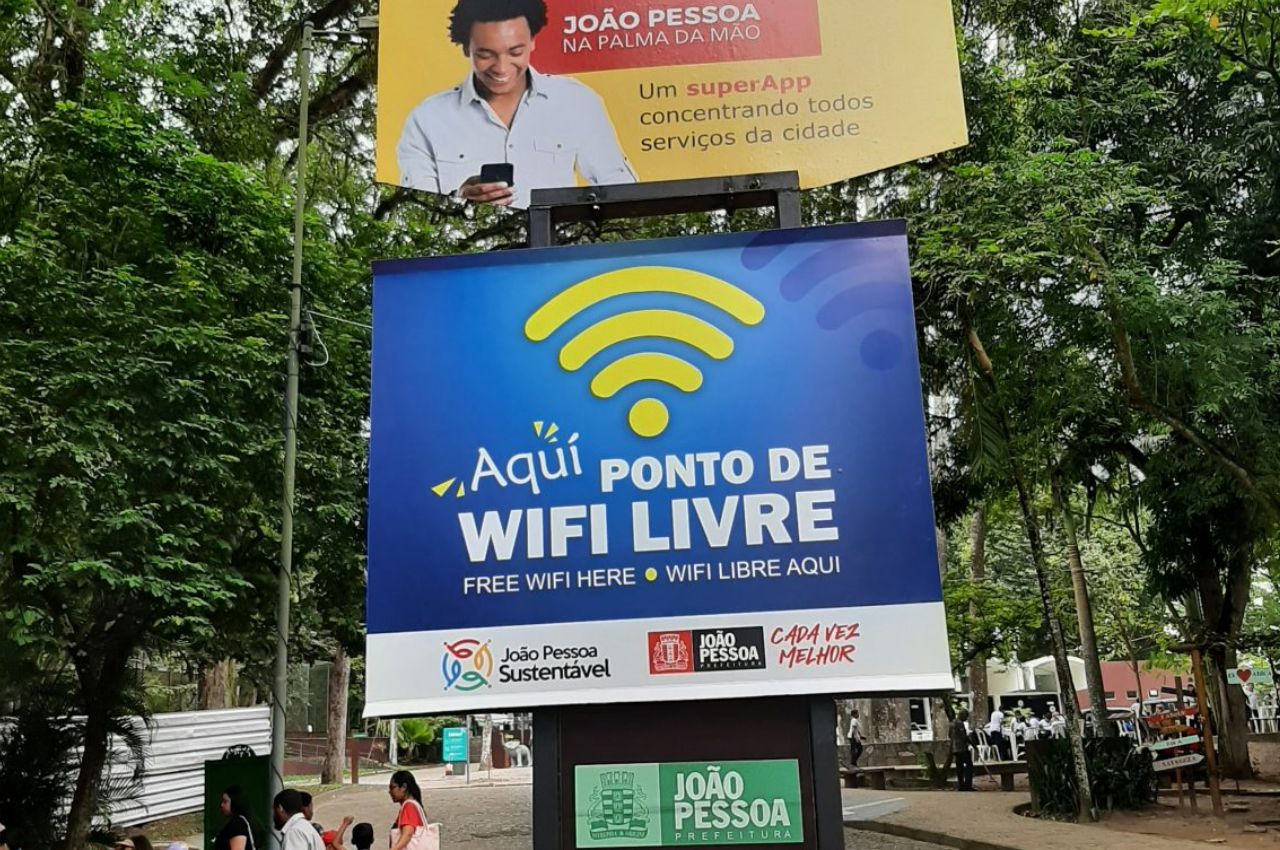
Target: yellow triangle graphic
537,427
441,489
553,429
462,490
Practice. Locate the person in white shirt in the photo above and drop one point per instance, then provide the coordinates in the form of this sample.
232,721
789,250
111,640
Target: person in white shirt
995,734
507,112
855,739
296,832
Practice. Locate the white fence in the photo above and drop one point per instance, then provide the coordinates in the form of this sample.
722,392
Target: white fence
178,745
1263,721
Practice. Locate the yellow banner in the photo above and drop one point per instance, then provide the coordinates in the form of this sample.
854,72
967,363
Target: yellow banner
567,92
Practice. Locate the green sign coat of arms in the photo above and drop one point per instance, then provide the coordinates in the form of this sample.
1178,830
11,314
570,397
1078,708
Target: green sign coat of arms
618,807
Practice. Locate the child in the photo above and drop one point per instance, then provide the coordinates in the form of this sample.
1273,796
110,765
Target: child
333,838
362,836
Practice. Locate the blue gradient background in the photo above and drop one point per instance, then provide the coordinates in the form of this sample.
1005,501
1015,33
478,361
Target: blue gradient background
834,362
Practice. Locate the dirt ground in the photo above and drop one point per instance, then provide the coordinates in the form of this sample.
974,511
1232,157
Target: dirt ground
1251,821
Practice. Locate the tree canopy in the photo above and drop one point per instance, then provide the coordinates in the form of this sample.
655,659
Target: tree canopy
1095,279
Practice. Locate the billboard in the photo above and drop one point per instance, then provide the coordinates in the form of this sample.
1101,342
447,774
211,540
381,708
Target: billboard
587,92
678,469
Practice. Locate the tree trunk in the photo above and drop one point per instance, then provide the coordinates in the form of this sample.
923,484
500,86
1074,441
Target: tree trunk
486,745
978,714
93,762
1084,792
1230,714
335,748
1084,616
1066,687
1136,664
1222,612
100,675
213,685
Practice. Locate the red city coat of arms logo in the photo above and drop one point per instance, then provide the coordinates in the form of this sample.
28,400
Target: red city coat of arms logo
670,652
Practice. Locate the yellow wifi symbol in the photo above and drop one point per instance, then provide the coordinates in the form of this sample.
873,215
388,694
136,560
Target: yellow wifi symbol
648,416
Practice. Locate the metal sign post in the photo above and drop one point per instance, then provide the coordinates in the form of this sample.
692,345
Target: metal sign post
782,728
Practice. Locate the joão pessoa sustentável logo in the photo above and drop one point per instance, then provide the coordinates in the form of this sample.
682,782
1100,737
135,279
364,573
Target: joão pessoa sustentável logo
648,417
466,665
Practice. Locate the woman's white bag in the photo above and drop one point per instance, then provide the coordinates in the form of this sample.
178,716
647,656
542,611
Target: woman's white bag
427,838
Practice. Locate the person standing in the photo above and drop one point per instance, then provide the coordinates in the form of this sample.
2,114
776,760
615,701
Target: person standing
855,739
961,753
995,734
410,827
309,812
295,830
236,833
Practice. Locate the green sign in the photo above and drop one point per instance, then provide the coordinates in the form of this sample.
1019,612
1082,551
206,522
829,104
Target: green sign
454,744
253,777
1245,675
679,804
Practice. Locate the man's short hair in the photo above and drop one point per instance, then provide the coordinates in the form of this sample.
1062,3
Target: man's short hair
469,12
306,797
290,799
362,835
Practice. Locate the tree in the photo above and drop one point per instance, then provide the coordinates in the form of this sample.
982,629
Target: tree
136,289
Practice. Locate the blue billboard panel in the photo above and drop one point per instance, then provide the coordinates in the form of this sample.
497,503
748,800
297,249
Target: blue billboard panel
675,469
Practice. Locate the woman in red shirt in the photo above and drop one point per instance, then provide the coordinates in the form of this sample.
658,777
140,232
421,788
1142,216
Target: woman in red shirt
409,832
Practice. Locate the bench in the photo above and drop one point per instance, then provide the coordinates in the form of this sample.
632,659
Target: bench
877,775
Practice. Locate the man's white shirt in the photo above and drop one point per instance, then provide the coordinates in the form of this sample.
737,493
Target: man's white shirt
996,722
298,834
560,125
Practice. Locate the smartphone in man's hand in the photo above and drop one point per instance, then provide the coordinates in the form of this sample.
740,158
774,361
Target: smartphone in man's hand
498,172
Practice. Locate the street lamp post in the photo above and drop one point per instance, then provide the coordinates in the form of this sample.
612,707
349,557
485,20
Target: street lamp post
280,679
280,684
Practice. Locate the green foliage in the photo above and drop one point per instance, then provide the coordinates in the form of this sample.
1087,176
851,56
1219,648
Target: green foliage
1000,617
1120,776
37,754
417,735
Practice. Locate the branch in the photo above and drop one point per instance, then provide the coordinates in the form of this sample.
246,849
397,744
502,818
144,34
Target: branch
329,103
1180,221
1138,399
430,201
342,95
320,18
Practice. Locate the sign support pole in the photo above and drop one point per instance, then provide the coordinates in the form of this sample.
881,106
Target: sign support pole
557,745
1202,702
280,673
1181,703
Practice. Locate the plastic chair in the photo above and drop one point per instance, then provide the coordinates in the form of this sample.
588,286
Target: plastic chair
986,750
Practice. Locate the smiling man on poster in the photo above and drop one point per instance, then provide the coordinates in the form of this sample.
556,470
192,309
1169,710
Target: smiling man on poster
507,112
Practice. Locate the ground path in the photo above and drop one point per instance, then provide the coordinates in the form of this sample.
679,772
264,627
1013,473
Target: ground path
488,815
494,813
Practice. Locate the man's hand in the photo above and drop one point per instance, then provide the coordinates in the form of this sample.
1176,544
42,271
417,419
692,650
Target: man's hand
486,193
